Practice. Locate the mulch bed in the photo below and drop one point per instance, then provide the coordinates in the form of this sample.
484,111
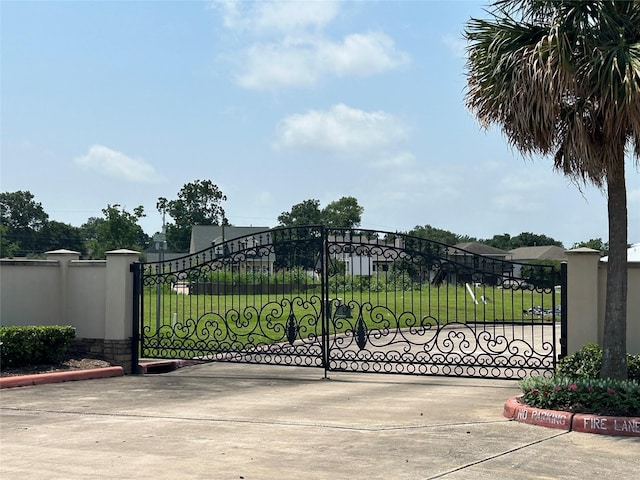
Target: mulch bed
65,365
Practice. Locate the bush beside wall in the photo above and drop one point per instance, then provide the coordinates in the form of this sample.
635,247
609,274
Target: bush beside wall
34,345
586,363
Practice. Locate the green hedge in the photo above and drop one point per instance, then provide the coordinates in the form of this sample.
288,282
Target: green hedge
34,345
586,363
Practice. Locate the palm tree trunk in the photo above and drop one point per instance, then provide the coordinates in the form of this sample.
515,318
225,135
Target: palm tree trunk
614,360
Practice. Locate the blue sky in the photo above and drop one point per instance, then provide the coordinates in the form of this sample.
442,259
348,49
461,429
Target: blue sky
276,103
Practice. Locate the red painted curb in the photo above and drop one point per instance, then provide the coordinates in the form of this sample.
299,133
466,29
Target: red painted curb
537,416
623,426
576,422
57,377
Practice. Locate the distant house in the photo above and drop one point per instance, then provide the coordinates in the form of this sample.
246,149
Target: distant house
472,259
152,254
228,239
206,236
547,252
530,254
366,256
483,249
633,254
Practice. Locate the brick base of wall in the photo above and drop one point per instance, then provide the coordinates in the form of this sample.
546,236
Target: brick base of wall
116,352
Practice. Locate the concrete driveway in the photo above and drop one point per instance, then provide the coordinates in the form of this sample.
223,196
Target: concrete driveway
230,421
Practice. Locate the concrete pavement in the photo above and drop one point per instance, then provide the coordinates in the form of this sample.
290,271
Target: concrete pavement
233,421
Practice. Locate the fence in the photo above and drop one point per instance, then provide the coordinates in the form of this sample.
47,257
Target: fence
96,297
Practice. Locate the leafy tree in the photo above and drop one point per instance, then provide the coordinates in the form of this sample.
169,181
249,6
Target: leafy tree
23,217
342,213
299,246
7,247
54,235
503,242
438,235
562,78
198,203
596,244
118,229
525,239
303,213
528,239
540,273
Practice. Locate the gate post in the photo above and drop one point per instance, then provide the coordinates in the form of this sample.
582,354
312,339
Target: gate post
119,307
563,310
136,269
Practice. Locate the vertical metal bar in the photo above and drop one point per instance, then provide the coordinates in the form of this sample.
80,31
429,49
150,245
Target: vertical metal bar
136,268
159,267
324,289
554,277
563,310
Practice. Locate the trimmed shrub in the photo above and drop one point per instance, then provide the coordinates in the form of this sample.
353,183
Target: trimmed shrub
603,397
586,363
34,345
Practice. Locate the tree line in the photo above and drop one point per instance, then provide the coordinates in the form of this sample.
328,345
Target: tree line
27,231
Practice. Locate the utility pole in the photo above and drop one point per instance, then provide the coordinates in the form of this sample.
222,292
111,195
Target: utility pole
160,240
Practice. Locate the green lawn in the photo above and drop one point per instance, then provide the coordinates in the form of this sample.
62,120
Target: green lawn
263,318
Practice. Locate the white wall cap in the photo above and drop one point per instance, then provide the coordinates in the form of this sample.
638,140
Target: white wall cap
122,251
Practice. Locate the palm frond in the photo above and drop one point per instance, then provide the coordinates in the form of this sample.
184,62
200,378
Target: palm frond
560,77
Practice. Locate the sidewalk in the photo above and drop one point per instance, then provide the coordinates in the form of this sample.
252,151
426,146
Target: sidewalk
231,421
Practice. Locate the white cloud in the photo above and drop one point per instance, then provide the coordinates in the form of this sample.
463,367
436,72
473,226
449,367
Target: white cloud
285,45
304,61
342,130
116,164
274,66
361,55
264,17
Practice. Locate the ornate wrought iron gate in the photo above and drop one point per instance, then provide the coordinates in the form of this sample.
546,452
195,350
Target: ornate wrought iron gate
352,300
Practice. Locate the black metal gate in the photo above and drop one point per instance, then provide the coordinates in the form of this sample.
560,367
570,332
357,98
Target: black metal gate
352,300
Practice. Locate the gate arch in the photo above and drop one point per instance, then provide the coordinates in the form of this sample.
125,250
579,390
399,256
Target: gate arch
351,300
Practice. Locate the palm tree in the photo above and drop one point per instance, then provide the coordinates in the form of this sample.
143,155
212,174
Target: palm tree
562,78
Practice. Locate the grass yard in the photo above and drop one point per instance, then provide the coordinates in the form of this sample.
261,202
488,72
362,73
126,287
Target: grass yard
264,318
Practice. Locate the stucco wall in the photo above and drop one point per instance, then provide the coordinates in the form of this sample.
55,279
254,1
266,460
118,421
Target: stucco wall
29,292
87,286
586,300
633,304
95,297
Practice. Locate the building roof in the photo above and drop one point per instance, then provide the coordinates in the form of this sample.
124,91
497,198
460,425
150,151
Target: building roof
204,236
633,254
481,249
545,252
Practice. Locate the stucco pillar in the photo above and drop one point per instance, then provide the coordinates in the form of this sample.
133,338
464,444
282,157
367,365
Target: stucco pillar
119,294
63,257
582,298
119,307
